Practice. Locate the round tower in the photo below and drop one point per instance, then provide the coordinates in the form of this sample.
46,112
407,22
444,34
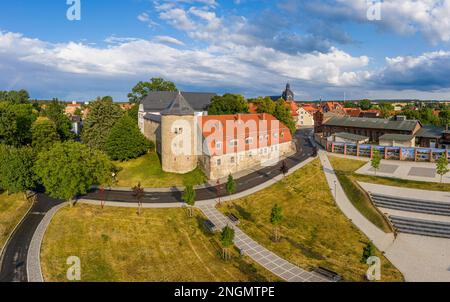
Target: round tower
178,137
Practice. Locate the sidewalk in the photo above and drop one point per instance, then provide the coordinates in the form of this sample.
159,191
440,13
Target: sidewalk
381,240
275,264
418,171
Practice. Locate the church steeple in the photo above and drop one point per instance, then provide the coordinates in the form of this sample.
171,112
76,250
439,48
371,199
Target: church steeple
288,95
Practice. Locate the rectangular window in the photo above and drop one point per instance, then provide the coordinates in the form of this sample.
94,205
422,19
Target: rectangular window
233,143
249,140
219,162
233,160
275,135
218,145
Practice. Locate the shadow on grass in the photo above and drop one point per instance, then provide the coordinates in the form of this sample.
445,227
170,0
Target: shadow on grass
244,214
308,252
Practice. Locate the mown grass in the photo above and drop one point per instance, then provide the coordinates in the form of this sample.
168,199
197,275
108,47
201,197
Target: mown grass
115,244
147,170
314,231
344,169
12,209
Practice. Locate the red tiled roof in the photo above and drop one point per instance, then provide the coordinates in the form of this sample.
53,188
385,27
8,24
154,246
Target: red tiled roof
220,131
293,107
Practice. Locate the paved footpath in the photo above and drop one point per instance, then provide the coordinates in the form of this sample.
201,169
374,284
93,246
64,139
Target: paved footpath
381,240
278,266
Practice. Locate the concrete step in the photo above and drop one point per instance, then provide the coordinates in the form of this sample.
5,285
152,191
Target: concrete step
412,205
421,227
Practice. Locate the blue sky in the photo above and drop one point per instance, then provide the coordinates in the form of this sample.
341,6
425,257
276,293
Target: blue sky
324,48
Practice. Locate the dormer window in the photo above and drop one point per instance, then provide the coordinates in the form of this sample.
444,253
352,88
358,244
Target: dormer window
249,140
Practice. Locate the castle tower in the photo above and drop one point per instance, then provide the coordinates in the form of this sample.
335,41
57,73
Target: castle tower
178,137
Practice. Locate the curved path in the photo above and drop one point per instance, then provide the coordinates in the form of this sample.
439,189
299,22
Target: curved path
13,264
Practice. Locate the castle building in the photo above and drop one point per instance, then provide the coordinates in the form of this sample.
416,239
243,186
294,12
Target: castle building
220,145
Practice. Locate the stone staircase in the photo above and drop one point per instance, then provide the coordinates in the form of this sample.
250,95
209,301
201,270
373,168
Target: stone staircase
411,205
421,227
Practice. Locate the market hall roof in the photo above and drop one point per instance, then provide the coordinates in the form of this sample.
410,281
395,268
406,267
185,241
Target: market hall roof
372,123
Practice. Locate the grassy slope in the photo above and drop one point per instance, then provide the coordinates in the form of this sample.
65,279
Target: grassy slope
344,170
147,170
12,209
315,232
161,245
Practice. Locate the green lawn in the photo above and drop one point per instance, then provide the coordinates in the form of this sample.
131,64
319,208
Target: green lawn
115,244
12,209
314,231
147,170
344,169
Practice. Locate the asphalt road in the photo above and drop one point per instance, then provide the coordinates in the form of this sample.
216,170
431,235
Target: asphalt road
304,151
13,262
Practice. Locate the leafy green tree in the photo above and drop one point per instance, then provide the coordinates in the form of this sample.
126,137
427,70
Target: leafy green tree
376,160
44,134
444,115
69,169
231,185
16,169
265,105
228,104
133,112
188,197
15,97
55,112
276,217
125,140
142,89
227,240
442,166
348,104
15,123
78,112
102,117
368,251
365,104
284,115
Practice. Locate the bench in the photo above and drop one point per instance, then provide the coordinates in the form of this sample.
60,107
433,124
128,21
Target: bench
210,226
335,277
233,219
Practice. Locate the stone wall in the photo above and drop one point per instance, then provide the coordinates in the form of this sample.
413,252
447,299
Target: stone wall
217,167
152,131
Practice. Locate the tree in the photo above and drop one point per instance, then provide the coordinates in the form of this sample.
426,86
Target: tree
348,104
227,240
231,185
265,105
368,251
138,193
125,141
276,217
142,89
189,198
376,160
283,114
16,169
365,104
55,112
228,104
444,115
69,169
442,166
15,123
78,112
284,168
102,117
133,112
15,97
44,134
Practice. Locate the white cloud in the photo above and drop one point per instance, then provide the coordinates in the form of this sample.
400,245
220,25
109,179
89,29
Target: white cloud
169,40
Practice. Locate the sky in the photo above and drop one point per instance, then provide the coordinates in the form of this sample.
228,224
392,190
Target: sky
326,49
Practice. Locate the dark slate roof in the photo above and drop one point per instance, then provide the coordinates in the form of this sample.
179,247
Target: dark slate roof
430,132
351,136
372,123
179,106
397,137
158,101
153,117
